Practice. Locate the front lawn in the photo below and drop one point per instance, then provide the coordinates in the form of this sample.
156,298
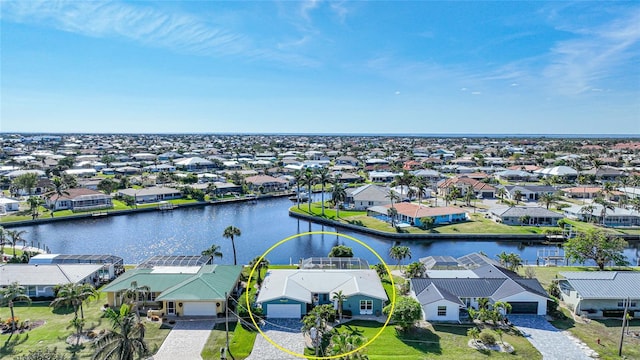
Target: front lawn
608,331
440,340
56,329
240,342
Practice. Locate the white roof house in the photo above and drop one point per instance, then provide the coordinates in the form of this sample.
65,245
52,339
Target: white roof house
557,171
40,280
302,284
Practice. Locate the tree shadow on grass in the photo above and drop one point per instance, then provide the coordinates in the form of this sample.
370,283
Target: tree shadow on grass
75,349
8,348
63,310
423,340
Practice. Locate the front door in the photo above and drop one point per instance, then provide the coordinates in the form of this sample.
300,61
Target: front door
171,308
366,307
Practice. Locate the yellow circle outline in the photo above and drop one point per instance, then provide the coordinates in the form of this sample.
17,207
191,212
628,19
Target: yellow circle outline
393,298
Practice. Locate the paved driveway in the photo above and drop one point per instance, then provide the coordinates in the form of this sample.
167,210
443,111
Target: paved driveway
284,332
552,343
185,341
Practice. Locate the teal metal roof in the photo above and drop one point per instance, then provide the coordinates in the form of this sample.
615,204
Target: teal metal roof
209,283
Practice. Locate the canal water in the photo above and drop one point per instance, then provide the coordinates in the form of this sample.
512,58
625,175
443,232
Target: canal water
188,231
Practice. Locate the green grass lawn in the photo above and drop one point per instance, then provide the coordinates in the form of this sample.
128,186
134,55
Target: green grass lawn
608,331
56,329
329,212
435,341
240,342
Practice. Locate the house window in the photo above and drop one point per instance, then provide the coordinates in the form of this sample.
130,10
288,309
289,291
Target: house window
366,306
620,303
442,311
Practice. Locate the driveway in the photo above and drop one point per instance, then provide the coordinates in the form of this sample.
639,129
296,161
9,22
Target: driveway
186,340
284,332
552,343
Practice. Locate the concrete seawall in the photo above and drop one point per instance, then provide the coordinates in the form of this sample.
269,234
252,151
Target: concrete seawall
436,236
102,213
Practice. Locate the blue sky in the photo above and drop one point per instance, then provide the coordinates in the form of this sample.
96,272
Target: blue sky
320,67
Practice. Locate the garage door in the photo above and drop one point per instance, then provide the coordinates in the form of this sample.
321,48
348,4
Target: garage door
524,307
283,311
199,309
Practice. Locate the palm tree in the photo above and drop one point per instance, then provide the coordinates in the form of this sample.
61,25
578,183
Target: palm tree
132,294
469,195
501,192
338,196
259,264
606,205
392,213
59,190
126,340
474,332
299,176
230,233
309,180
420,188
403,180
415,270
34,202
3,240
73,294
399,253
547,199
16,237
12,293
323,177
587,210
340,298
343,342
213,251
392,195
517,196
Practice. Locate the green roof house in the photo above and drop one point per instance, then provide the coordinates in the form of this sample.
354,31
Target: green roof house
180,290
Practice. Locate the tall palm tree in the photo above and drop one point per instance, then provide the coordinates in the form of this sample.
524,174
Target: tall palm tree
392,195
12,293
399,253
421,188
309,180
73,294
230,233
606,205
547,199
59,190
501,192
323,177
340,298
299,176
338,195
392,213
15,238
259,265
517,196
3,240
213,252
133,293
126,340
588,211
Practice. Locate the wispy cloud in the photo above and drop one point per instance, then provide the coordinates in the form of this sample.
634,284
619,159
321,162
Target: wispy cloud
149,26
594,54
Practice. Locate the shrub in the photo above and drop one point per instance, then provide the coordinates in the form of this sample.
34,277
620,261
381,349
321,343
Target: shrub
487,338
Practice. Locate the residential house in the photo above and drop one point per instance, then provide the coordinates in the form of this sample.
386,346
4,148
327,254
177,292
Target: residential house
525,215
412,214
40,280
365,196
112,265
594,213
527,192
347,160
515,175
582,192
293,293
180,289
564,172
266,183
606,173
463,183
79,199
601,293
428,175
8,204
195,164
151,194
382,176
446,295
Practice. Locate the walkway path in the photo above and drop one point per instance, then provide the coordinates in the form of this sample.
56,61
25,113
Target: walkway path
285,333
552,343
185,341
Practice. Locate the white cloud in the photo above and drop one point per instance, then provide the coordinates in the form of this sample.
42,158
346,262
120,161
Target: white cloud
476,93
594,54
151,27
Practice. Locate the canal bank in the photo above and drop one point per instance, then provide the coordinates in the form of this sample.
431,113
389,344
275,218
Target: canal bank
532,238
159,207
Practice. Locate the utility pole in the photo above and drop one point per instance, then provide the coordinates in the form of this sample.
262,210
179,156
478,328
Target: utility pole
226,318
624,320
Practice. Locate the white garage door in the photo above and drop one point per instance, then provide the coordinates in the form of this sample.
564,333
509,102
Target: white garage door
283,311
199,309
